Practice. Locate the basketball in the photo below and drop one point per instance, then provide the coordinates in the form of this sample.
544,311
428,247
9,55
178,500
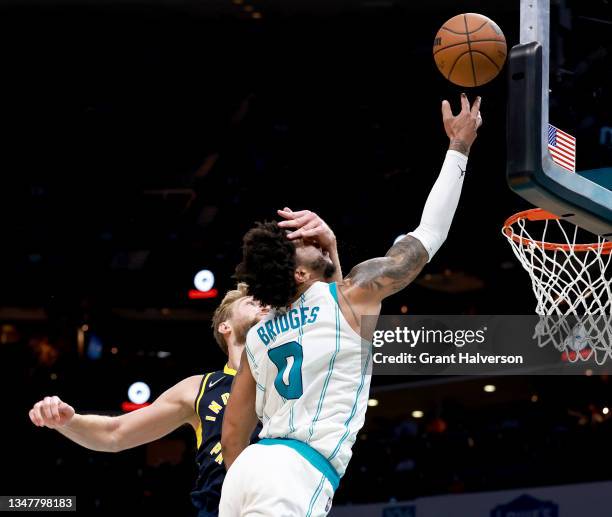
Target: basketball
470,49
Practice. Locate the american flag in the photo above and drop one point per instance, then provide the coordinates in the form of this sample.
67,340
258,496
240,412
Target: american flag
562,148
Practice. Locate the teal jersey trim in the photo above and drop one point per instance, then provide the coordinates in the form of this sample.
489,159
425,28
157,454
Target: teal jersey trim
315,458
333,289
353,411
315,496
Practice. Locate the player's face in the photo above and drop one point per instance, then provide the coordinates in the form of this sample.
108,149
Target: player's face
246,312
310,255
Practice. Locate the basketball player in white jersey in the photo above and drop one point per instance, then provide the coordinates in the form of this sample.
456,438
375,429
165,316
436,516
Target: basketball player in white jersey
307,371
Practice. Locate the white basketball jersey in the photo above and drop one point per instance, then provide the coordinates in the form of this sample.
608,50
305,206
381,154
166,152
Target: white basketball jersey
313,375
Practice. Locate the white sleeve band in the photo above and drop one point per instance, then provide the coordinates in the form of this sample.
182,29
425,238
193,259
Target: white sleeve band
441,204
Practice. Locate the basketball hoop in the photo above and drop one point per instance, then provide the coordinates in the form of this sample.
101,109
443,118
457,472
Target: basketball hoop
571,281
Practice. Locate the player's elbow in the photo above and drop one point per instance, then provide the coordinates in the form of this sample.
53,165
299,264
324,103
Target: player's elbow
431,238
115,439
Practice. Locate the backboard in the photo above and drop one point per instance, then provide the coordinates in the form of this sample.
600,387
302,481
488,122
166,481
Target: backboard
560,88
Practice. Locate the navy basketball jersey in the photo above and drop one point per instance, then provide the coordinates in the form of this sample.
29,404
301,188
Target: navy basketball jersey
210,406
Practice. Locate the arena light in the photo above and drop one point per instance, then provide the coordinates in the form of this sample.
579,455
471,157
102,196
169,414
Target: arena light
194,294
373,402
139,393
204,280
605,410
417,413
126,407
489,388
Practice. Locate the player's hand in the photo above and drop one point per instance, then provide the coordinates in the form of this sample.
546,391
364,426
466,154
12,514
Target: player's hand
51,412
462,129
307,225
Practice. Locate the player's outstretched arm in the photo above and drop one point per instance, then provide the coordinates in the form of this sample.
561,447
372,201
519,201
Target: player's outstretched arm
240,419
373,280
113,434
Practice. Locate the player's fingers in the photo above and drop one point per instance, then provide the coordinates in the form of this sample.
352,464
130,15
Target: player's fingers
314,224
476,106
313,232
478,121
295,235
38,420
287,214
33,417
447,112
46,408
300,213
299,221
37,413
465,104
291,223
287,209
54,406
304,220
65,409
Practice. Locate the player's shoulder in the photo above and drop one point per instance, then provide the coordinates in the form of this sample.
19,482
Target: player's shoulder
214,376
206,381
188,385
325,288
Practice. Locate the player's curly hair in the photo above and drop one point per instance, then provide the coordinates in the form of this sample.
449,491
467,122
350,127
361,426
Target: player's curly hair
268,265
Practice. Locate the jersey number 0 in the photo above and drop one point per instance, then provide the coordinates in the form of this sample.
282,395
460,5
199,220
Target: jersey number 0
288,359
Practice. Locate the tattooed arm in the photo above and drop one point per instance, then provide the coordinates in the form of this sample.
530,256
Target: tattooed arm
372,281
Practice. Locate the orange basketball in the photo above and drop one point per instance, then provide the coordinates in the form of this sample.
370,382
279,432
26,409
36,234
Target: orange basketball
470,49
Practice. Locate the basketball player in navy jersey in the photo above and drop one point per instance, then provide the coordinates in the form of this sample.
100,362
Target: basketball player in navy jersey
199,401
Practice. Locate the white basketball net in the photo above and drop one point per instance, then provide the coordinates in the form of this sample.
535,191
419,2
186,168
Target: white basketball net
571,286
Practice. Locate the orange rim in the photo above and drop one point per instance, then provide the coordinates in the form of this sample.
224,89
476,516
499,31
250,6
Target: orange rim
537,214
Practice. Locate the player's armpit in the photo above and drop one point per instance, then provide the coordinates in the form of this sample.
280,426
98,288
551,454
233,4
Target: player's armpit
371,281
240,417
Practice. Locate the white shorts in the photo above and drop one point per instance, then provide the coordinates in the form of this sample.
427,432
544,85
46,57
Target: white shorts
276,481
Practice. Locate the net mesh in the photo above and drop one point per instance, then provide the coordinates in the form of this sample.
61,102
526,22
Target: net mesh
572,285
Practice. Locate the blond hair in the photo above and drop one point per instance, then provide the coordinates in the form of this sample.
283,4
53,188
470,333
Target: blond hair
224,312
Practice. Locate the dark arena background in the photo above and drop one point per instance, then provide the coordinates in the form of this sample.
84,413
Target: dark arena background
142,139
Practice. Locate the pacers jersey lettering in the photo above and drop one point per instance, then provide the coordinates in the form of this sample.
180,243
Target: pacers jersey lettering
210,406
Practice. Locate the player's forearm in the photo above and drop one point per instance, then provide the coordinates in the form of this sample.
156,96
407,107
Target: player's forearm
236,433
442,201
95,432
233,443
335,258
